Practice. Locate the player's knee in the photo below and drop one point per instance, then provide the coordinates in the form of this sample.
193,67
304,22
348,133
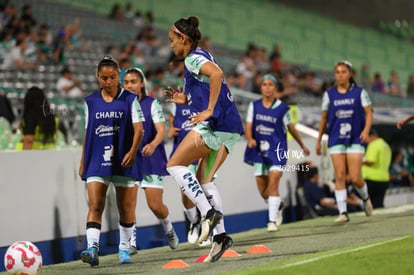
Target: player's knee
96,207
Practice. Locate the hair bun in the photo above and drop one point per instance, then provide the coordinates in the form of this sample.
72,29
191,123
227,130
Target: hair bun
108,60
194,21
108,57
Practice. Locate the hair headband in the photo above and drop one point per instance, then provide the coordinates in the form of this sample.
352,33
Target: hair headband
271,77
140,72
345,62
176,30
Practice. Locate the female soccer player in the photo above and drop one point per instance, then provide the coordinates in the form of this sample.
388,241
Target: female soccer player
217,127
266,123
347,110
153,154
113,132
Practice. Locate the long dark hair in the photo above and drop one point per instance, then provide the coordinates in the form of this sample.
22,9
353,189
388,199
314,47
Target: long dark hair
36,106
189,27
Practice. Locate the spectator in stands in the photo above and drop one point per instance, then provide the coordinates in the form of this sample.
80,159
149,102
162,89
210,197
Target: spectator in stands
246,69
68,86
60,41
365,78
117,13
111,50
290,82
378,85
75,39
275,59
394,86
7,42
235,80
19,57
149,18
410,86
311,85
7,14
26,18
157,83
124,65
138,20
44,42
375,169
257,80
125,50
399,172
174,76
137,58
347,110
261,60
317,194
148,41
39,125
128,11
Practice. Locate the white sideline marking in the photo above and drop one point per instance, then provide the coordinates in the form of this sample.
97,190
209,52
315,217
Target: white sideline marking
391,210
338,253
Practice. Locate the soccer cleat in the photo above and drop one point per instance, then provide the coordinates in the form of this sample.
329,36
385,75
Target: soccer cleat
193,233
271,227
221,243
279,219
206,242
172,239
124,257
368,207
133,250
90,256
343,217
212,218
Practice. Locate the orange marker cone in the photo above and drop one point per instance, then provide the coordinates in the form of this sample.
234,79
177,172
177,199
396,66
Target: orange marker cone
175,264
201,258
255,249
229,253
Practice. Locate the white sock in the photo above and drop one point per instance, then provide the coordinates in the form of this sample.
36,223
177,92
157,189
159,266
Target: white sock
214,198
92,237
363,191
133,240
125,234
340,196
190,186
166,224
191,214
274,203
